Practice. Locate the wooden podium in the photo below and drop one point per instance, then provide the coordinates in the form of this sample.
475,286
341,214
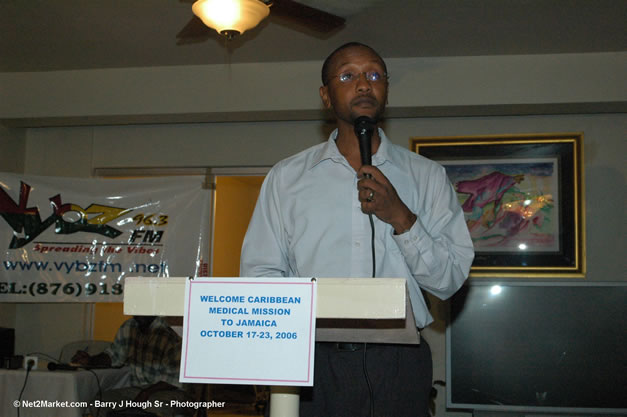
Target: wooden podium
358,310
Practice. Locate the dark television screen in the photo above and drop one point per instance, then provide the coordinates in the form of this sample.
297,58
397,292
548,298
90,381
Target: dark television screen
538,346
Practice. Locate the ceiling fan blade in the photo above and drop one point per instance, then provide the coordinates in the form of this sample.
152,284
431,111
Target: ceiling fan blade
302,14
194,31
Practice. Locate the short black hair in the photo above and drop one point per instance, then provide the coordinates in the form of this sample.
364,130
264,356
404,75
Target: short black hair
327,62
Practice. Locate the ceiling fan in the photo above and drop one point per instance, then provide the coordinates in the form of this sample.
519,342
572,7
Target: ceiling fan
201,27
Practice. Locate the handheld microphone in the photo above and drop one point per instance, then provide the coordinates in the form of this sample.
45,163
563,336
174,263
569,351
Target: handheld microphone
61,367
364,128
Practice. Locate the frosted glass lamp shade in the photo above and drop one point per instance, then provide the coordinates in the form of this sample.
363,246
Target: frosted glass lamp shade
231,17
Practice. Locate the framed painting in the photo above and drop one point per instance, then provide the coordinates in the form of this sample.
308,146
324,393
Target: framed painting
522,198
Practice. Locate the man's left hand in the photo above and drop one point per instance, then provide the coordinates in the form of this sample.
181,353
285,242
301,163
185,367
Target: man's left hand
379,197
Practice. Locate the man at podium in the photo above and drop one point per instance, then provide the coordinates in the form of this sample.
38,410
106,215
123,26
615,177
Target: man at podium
379,210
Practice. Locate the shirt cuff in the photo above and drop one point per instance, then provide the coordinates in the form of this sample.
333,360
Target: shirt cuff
416,244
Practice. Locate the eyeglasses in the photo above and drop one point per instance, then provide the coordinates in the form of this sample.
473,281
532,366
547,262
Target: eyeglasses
350,76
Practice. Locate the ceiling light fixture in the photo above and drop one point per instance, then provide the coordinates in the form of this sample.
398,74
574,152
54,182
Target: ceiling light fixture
231,17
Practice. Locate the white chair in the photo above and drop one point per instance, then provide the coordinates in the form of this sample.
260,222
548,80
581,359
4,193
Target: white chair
93,347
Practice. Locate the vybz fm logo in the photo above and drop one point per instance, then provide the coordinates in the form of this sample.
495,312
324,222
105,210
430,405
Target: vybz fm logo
27,224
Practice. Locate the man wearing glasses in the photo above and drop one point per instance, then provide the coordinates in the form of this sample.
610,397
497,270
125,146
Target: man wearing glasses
322,213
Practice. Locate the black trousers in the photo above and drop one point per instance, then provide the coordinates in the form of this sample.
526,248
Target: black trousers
399,377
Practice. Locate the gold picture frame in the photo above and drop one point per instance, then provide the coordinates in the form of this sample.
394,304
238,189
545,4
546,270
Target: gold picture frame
523,200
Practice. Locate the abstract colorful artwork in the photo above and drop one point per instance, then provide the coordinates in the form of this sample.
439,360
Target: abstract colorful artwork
509,205
522,196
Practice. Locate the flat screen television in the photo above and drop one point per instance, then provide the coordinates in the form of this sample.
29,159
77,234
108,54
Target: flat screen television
538,347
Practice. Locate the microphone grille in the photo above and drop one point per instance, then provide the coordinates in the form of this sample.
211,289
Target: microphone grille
364,125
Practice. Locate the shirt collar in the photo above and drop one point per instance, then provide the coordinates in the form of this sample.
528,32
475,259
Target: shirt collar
330,151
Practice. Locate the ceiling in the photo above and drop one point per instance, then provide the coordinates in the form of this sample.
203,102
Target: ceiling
47,35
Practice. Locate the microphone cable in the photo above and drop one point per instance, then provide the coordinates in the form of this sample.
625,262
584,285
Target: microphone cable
364,127
374,263
365,362
29,366
374,269
370,390
99,389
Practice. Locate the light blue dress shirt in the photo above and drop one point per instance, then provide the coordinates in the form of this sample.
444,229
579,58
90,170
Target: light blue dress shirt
308,223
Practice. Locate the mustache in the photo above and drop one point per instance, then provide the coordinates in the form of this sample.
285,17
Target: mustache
368,99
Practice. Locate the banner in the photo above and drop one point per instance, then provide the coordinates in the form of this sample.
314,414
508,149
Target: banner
75,240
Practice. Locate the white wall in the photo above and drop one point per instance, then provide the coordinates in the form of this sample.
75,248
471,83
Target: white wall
76,151
289,91
261,124
12,149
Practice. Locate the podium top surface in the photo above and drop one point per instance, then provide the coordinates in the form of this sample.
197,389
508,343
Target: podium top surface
344,298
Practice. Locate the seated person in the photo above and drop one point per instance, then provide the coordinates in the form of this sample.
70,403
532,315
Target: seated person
152,351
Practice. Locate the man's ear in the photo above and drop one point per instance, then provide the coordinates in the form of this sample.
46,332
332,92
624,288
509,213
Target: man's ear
324,95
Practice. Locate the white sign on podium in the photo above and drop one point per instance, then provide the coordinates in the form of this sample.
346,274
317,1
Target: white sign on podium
257,331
